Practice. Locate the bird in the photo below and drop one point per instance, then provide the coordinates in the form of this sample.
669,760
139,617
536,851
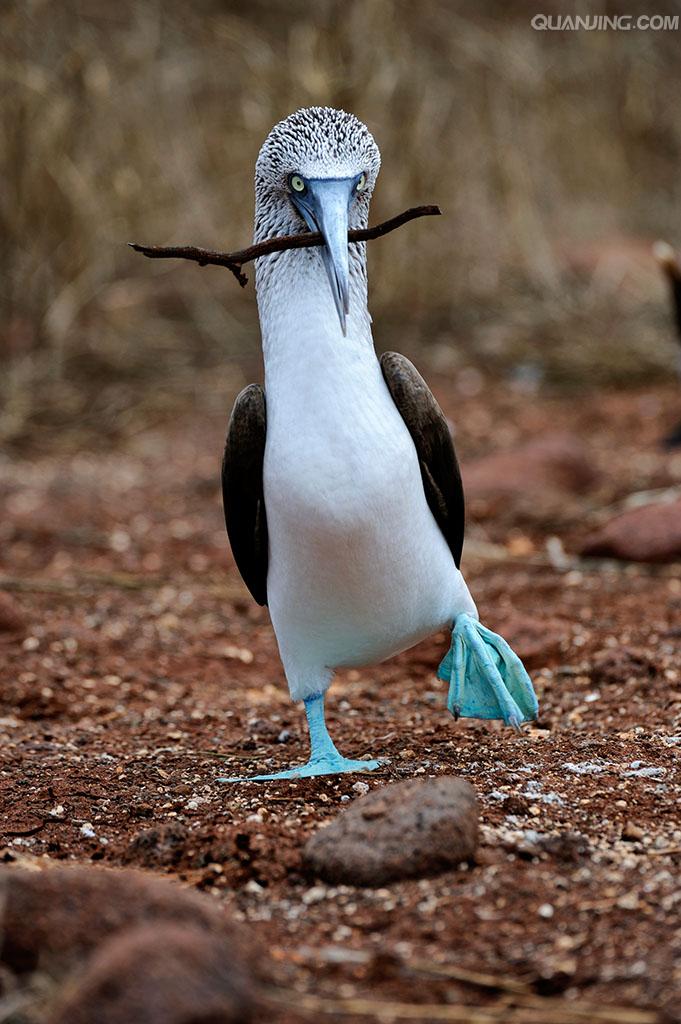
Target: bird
341,488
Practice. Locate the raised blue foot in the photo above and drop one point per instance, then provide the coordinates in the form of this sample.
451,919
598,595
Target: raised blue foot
486,678
324,757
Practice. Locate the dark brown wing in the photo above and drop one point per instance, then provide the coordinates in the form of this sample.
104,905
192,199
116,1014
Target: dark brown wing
242,489
427,425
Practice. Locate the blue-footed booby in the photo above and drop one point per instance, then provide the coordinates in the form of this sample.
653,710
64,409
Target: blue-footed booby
342,494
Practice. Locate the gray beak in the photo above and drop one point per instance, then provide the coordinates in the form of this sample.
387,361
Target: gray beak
325,207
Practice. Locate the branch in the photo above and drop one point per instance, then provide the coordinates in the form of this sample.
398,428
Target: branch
671,267
667,259
235,260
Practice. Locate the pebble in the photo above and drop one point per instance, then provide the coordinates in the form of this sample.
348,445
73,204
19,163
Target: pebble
408,829
645,773
585,767
161,845
632,831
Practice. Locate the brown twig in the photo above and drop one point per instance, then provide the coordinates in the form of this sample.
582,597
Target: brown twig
235,260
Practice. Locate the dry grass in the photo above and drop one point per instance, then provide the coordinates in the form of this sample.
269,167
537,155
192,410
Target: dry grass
142,119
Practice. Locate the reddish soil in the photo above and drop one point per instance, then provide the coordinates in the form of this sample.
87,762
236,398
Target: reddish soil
135,669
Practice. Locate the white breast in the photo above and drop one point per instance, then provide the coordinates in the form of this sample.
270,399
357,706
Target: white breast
358,567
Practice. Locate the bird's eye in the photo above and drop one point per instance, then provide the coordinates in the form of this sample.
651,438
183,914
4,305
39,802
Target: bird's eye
297,183
361,182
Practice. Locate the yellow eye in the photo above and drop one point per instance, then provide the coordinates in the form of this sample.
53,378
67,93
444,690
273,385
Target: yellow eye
297,183
361,182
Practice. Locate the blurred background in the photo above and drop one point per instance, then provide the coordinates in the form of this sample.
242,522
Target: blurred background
554,155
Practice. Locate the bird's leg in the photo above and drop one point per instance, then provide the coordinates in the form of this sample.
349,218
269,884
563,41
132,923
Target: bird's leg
486,678
324,757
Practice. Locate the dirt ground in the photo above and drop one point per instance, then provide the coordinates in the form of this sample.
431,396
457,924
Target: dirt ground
138,670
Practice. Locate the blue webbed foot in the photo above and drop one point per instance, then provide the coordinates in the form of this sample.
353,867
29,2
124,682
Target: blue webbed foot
320,766
486,678
324,757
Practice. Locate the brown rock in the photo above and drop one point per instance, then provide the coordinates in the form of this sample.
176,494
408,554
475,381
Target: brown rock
517,804
161,846
536,640
11,617
58,916
160,974
618,664
632,831
648,534
406,830
554,465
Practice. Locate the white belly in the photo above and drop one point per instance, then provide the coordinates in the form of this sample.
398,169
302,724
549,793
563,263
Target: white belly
358,568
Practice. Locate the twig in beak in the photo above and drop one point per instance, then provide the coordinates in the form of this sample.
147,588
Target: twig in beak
235,260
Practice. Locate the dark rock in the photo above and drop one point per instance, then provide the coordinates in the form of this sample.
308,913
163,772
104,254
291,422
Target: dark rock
648,534
11,617
406,830
568,847
618,664
536,640
516,804
56,917
159,974
161,846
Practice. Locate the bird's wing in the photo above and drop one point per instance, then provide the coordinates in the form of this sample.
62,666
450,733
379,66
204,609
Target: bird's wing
429,431
242,489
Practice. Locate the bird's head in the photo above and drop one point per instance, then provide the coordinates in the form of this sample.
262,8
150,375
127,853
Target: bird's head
317,169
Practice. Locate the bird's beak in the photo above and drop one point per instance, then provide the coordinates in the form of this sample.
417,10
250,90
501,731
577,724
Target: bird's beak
325,207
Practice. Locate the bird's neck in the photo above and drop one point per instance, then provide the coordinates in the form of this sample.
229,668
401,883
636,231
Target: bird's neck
301,331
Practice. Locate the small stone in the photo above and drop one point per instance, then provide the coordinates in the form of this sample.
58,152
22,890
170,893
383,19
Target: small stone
162,845
516,804
87,830
650,772
632,831
409,829
361,787
546,911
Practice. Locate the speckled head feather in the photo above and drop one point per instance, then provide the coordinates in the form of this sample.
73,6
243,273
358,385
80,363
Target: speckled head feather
316,142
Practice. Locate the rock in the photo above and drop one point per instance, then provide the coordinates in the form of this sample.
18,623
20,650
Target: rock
516,804
11,617
161,846
651,533
536,640
542,471
405,830
619,664
632,831
58,916
159,974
